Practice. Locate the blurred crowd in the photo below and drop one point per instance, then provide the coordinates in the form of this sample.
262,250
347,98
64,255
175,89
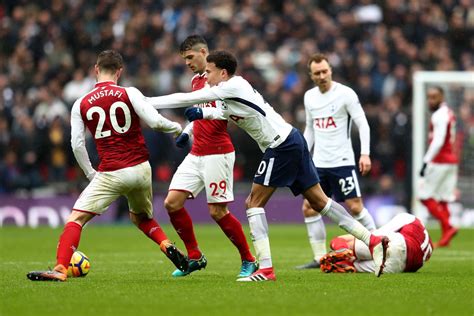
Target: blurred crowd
48,48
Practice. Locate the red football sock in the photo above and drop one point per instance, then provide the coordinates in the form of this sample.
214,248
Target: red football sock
338,243
183,225
444,211
68,243
233,230
153,230
436,211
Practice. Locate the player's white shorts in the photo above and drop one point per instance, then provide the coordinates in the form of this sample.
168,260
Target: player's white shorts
133,182
396,255
439,182
397,248
214,173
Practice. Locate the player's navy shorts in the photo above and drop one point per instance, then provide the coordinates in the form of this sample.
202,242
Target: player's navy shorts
288,165
340,182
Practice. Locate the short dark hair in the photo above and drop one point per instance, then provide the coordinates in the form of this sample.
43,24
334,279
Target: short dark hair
438,88
109,61
192,42
317,58
223,60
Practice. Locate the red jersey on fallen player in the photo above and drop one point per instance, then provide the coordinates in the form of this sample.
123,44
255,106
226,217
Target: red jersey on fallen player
444,115
210,136
419,246
115,126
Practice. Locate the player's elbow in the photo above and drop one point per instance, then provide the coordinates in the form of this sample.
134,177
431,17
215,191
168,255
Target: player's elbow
155,125
77,146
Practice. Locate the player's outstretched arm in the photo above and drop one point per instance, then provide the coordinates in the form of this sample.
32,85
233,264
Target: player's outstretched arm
78,142
147,113
181,100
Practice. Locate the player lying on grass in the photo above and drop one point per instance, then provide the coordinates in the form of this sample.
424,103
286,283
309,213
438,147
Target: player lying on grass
410,247
286,161
112,114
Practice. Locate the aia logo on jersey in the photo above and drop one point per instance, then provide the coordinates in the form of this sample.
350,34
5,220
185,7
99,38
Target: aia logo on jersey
325,122
207,105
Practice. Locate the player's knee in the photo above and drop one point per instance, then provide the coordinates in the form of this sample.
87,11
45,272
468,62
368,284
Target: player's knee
355,206
339,243
138,218
253,201
80,217
217,212
317,206
308,210
172,205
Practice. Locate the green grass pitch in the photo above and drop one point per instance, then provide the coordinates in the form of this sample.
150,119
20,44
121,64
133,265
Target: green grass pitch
130,276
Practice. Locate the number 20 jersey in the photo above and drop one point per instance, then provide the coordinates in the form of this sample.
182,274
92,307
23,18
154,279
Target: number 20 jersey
115,126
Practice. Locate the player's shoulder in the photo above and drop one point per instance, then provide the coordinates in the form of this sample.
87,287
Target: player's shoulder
343,89
236,80
441,114
236,83
312,92
199,76
85,96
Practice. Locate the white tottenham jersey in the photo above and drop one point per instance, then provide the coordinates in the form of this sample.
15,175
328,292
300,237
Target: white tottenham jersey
239,102
329,118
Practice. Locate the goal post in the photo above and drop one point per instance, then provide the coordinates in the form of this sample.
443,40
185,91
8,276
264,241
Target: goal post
452,82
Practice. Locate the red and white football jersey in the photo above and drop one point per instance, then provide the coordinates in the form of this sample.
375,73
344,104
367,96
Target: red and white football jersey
418,243
115,126
210,136
443,123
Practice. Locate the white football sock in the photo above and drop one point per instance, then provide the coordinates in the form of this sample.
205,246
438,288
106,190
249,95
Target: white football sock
259,234
361,250
366,219
339,215
317,235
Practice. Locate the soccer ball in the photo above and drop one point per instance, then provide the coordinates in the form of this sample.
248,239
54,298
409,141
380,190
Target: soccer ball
79,265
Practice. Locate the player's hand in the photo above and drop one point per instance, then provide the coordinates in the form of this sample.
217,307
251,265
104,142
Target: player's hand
365,164
423,169
182,140
193,114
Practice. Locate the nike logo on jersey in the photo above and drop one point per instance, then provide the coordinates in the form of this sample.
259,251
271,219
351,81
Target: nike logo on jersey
324,122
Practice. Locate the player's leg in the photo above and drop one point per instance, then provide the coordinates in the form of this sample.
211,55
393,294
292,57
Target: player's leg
232,228
153,231
182,222
139,195
320,202
218,181
446,194
316,233
360,213
255,203
94,200
345,187
430,186
186,182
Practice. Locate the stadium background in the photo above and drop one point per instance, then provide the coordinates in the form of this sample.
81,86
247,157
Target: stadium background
48,48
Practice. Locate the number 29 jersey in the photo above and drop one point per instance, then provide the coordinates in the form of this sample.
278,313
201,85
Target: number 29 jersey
115,126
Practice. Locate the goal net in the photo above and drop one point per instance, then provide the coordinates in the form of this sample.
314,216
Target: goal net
459,94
